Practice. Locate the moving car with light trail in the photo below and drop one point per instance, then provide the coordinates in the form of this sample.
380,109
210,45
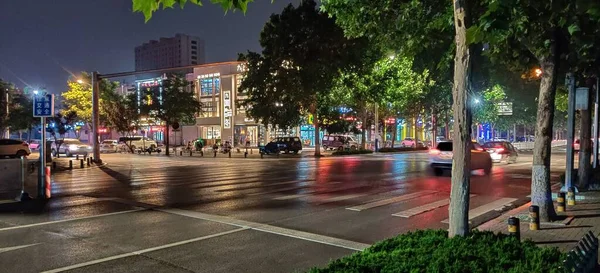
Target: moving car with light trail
70,147
440,158
501,151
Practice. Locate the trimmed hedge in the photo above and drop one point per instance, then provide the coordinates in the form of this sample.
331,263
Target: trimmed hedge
401,149
352,152
433,251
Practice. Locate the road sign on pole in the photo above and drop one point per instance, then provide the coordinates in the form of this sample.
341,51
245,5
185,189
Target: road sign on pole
43,105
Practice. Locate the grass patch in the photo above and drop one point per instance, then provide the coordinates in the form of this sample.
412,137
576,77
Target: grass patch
433,251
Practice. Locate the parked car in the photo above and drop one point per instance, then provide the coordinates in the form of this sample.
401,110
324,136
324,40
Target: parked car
411,142
34,144
289,144
502,151
139,142
440,158
109,146
339,142
14,148
70,147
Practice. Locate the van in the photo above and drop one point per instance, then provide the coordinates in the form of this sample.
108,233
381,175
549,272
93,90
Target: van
339,142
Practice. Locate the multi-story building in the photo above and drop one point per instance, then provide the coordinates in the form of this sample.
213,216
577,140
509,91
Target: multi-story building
180,50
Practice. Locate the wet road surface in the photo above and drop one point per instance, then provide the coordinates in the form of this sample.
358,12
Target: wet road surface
142,213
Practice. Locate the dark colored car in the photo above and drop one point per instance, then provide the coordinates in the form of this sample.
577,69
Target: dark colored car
289,144
501,151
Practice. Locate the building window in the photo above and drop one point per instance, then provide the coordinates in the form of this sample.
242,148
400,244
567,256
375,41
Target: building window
194,62
194,47
194,42
194,58
206,86
193,52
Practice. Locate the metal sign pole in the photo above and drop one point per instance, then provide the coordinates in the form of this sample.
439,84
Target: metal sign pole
42,168
596,131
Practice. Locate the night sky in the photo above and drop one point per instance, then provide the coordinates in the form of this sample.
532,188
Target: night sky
42,41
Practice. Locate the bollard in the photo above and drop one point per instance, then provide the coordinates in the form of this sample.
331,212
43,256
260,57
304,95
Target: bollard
76,157
560,202
250,151
534,218
48,183
571,197
190,153
54,165
181,153
245,154
88,161
215,154
70,164
261,155
81,163
513,227
201,153
230,154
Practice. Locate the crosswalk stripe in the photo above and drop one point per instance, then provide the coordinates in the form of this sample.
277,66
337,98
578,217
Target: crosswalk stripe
390,200
294,196
260,186
340,198
424,208
496,205
279,190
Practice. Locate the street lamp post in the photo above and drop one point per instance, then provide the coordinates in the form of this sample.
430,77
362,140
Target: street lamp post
95,116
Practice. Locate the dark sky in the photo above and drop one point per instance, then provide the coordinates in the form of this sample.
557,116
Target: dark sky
40,40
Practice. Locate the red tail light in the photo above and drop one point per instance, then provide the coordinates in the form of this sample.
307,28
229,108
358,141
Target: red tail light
434,151
499,150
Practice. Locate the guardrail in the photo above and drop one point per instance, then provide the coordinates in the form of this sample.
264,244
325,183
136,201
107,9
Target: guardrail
584,257
529,145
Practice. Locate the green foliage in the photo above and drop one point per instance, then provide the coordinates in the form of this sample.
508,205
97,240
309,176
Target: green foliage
78,98
59,125
302,56
433,251
352,152
148,7
21,113
486,108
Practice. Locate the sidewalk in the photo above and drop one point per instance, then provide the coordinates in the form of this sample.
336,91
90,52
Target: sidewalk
577,220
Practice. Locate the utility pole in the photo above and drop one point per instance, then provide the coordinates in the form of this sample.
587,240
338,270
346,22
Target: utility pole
596,132
95,115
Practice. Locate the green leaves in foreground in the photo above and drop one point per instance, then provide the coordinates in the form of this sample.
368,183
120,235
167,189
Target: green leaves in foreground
148,7
433,251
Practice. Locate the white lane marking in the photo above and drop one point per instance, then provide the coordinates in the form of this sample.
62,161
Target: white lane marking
338,198
388,201
69,220
280,190
294,196
496,205
230,188
270,229
7,249
140,252
424,208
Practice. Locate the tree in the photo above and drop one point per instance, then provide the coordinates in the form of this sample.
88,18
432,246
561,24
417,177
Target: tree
148,7
21,114
78,98
486,107
176,103
122,114
524,34
303,54
59,125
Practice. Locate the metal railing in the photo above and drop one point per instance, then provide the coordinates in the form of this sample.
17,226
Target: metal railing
529,145
584,257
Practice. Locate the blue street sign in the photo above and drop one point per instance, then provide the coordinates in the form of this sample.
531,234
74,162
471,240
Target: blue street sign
43,105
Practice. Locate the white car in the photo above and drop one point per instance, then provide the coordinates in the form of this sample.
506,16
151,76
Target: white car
70,147
109,146
440,158
14,148
139,142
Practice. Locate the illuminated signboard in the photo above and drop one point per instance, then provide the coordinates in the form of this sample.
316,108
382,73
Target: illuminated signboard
227,112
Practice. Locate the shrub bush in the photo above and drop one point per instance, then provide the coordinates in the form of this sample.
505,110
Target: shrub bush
401,149
352,152
433,251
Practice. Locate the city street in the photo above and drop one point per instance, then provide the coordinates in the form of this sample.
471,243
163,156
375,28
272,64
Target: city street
150,213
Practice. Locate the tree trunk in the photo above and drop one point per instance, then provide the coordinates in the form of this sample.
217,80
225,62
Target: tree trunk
584,172
366,126
461,160
541,195
433,129
394,135
446,128
317,137
167,153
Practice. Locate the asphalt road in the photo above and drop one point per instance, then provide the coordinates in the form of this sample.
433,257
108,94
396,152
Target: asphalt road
149,213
